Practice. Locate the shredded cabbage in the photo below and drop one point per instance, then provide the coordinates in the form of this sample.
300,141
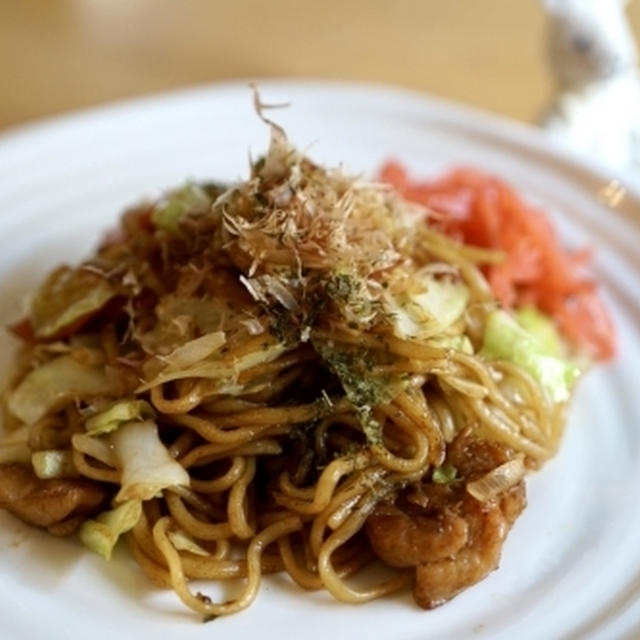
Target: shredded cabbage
53,463
100,535
53,383
110,419
147,467
14,447
217,369
67,298
505,339
183,542
460,342
180,319
194,351
430,312
543,328
190,198
98,448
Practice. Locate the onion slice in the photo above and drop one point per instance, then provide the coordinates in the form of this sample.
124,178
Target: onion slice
498,480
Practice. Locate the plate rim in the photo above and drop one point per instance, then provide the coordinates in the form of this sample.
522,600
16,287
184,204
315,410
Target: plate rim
504,129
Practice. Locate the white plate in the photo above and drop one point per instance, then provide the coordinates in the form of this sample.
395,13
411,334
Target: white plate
570,567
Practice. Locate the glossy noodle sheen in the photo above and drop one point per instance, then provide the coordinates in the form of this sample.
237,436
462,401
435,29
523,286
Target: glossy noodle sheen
288,374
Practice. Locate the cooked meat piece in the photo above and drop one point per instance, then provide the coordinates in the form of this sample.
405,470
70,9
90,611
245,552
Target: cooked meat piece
451,538
48,503
404,541
439,581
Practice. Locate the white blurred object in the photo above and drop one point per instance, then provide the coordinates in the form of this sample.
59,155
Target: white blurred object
594,58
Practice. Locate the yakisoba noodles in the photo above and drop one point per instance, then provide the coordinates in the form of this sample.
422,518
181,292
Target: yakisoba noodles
294,373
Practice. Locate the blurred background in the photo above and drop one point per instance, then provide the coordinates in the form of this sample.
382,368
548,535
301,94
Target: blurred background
57,55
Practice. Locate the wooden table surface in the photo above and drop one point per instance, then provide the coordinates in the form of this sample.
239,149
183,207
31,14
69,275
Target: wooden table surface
57,55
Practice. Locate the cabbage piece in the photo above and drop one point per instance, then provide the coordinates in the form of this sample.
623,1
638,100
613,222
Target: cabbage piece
98,448
183,542
147,467
194,351
14,446
53,463
181,319
67,299
460,342
55,382
505,339
218,369
189,199
110,419
429,313
100,535
543,328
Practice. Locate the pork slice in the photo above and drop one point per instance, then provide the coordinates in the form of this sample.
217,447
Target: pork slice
53,503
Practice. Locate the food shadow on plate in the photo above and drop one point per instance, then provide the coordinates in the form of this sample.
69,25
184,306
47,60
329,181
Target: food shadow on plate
373,574
127,579
41,561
